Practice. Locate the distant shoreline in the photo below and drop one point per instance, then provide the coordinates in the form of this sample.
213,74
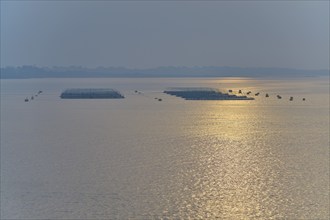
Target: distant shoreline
30,72
176,77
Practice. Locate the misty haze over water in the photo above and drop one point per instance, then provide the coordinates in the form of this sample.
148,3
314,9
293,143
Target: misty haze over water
146,35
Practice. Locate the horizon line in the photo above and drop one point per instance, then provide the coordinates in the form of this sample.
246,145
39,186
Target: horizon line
157,67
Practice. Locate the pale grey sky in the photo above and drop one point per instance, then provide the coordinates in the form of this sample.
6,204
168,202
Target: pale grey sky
143,34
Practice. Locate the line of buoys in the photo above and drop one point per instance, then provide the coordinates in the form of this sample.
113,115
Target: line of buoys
266,95
138,92
32,97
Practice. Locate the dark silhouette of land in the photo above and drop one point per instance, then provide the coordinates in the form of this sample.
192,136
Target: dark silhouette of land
23,72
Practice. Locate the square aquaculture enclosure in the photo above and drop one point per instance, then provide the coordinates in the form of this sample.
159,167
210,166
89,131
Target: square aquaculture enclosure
91,94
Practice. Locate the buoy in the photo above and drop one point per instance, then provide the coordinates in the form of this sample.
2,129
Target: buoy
303,99
291,98
267,95
26,100
239,91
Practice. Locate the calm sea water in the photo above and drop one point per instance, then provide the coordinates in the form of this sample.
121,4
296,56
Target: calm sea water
144,159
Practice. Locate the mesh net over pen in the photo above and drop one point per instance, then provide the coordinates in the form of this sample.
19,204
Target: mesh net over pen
84,93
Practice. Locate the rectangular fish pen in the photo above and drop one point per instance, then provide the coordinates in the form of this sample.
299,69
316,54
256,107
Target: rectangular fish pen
84,93
203,94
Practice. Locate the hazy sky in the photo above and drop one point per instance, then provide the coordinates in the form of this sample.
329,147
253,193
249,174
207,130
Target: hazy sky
145,34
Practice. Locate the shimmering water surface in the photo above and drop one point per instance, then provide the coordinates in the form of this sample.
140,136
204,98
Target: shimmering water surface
144,159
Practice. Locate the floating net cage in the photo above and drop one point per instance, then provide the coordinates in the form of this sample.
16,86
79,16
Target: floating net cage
203,94
91,94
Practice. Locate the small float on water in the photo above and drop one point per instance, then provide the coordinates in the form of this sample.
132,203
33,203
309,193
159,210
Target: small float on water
304,99
279,97
249,92
32,97
257,94
266,95
26,100
240,91
160,100
291,98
